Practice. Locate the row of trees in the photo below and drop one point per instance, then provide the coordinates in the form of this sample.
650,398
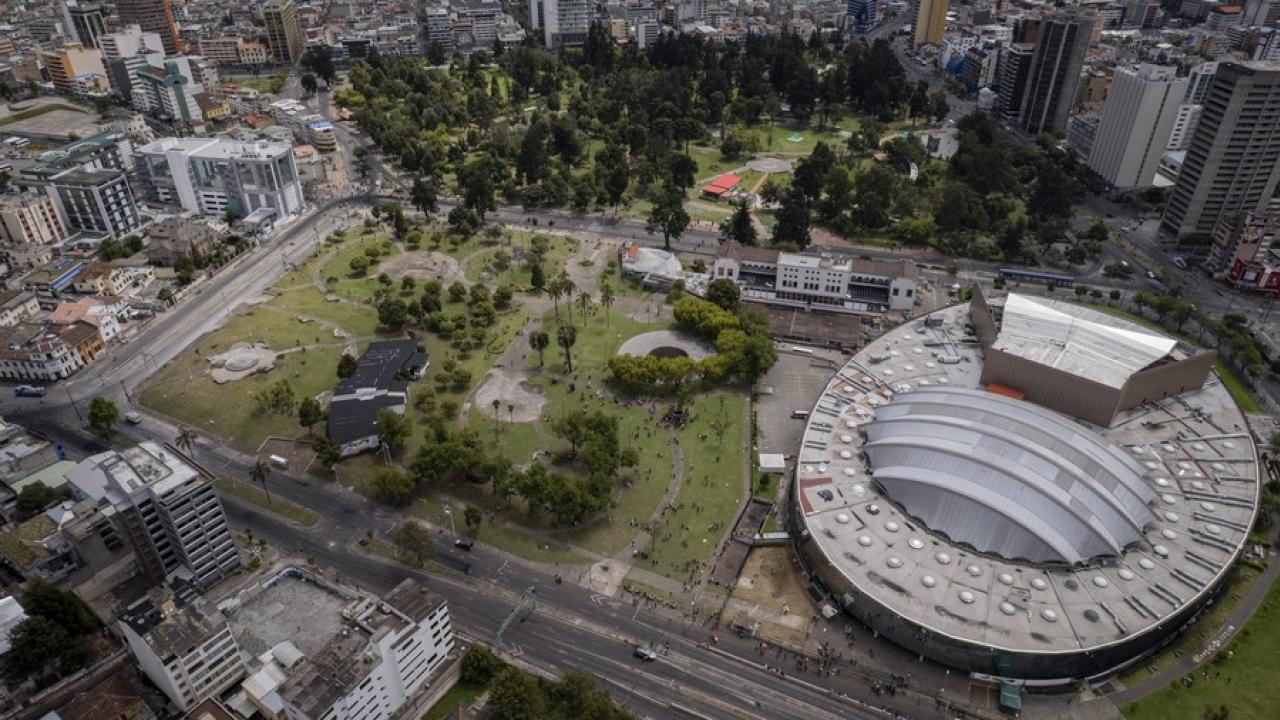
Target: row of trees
744,350
515,695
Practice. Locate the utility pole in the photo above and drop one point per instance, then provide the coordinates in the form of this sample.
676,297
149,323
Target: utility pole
528,602
73,405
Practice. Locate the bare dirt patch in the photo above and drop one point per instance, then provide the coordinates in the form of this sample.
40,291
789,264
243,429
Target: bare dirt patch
297,452
423,264
771,579
509,389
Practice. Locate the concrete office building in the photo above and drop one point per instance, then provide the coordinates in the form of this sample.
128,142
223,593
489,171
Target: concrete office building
931,22
183,645
170,94
1260,13
30,219
1053,79
1015,67
284,30
211,176
998,536
817,283
1136,123
1184,126
1233,161
96,202
152,16
563,22
86,23
76,70
861,16
165,508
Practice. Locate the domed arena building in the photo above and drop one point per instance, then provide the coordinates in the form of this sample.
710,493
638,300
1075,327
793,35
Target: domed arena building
1024,488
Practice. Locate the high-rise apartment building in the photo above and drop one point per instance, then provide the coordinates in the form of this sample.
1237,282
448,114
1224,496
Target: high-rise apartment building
931,22
861,16
152,16
85,23
1015,66
1054,76
165,508
213,176
284,30
563,22
1136,122
183,645
1233,161
97,202
75,70
30,219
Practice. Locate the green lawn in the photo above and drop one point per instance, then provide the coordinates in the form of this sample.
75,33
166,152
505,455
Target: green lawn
1245,683
264,83
37,112
359,320
285,509
184,391
479,267
460,694
713,489
597,341
710,162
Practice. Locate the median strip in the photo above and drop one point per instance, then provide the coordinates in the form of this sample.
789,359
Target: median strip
283,508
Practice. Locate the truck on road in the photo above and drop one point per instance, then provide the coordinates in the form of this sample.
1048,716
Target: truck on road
28,391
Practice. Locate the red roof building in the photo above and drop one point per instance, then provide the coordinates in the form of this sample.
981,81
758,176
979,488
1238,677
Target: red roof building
722,186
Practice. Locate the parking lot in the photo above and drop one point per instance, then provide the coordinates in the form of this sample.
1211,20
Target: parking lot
793,383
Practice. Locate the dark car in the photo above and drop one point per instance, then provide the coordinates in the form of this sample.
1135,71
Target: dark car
464,543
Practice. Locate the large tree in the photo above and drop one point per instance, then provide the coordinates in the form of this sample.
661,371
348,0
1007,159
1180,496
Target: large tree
668,215
566,337
738,227
103,415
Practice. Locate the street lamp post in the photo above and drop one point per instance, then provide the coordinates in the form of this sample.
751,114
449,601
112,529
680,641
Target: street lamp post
452,528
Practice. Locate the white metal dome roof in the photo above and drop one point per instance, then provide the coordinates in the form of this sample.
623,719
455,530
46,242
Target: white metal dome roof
1007,477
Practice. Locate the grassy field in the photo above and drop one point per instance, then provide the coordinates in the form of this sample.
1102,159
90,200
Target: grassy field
283,508
461,694
597,341
263,83
1238,391
479,266
1244,683
37,112
712,491
185,392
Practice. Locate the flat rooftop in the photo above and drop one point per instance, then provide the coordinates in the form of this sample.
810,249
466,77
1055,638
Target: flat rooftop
288,608
1194,452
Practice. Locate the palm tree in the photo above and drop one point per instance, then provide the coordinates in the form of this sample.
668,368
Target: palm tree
555,290
566,336
584,304
184,440
259,475
496,417
606,300
511,413
539,340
